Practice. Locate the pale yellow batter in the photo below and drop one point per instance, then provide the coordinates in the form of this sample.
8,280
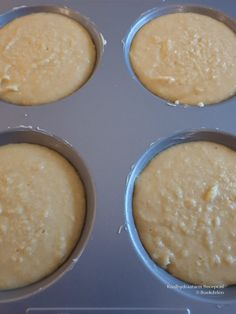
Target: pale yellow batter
184,207
43,57
42,212
186,58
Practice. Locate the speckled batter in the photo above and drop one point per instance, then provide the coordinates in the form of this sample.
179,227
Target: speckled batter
43,57
42,210
186,58
184,207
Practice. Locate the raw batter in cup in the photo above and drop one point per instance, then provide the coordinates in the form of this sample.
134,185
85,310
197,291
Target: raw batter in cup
184,206
42,212
186,58
43,57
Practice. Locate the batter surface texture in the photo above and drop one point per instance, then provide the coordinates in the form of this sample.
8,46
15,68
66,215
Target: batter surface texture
42,212
184,207
43,57
186,58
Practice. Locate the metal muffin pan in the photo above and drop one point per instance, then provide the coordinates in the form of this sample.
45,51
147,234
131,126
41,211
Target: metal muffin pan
110,121
157,12
25,135
215,136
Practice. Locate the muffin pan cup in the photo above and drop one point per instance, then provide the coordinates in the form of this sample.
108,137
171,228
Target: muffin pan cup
25,135
96,36
170,9
207,293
